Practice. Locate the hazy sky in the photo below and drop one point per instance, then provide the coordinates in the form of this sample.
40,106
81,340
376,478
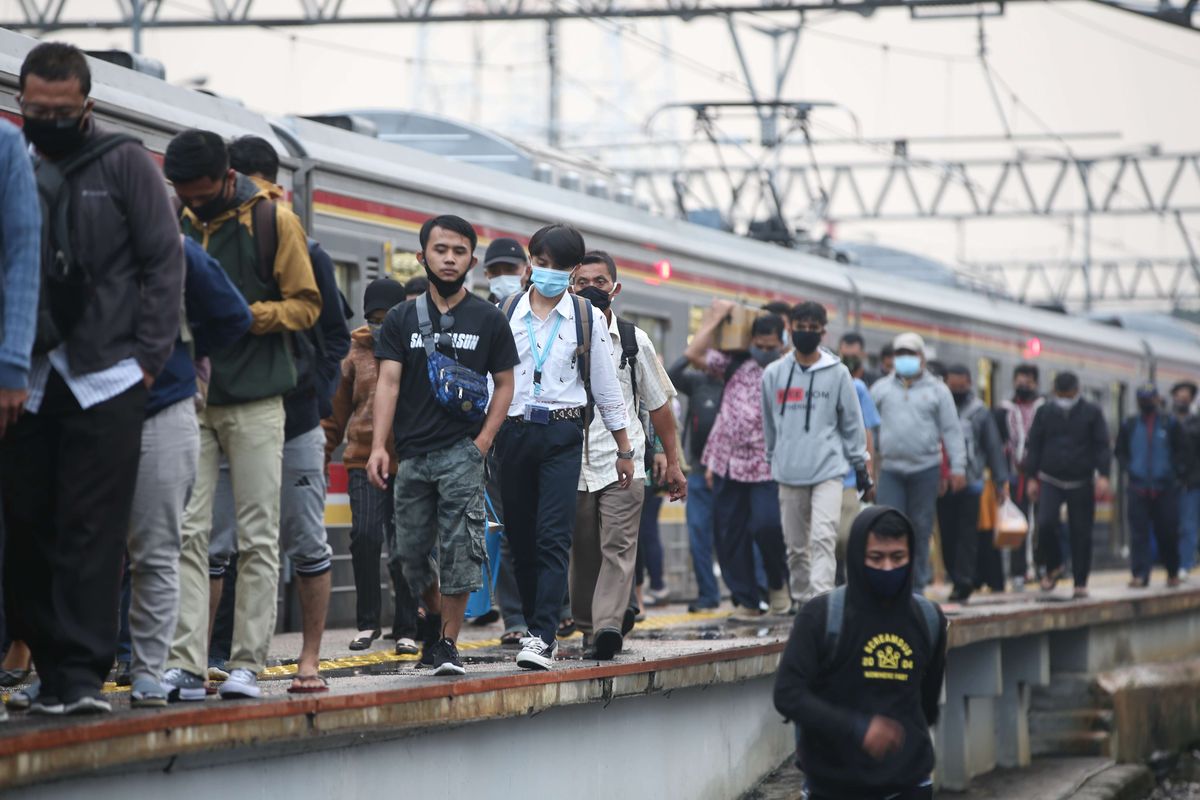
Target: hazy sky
1072,66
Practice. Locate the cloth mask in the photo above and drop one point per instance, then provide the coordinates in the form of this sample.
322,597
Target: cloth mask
1148,406
1025,394
375,328
550,282
503,286
444,287
597,297
1066,403
806,341
55,137
887,583
852,363
960,398
908,366
213,208
763,357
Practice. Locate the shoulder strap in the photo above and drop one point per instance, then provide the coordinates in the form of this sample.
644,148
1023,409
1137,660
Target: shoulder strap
265,224
425,325
629,350
509,304
96,148
929,614
835,614
583,349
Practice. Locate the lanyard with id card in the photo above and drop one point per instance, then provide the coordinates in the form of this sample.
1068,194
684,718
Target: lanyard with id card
539,414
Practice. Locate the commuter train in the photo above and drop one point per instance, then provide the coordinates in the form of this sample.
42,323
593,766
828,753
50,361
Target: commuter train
365,200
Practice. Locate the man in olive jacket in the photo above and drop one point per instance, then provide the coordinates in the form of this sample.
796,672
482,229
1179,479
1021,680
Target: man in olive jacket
262,247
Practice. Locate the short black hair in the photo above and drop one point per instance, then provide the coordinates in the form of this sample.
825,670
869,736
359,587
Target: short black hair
808,311
887,352
254,155
891,526
1188,386
448,222
57,61
560,243
195,154
767,325
601,257
416,285
853,337
1066,382
960,370
779,307
936,368
1027,369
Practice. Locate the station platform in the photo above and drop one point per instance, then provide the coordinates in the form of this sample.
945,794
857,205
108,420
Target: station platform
684,712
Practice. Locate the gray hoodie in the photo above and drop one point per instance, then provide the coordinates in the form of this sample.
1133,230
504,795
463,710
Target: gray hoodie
917,419
817,434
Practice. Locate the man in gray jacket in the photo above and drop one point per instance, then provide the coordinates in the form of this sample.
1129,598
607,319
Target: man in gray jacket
958,511
811,448
918,421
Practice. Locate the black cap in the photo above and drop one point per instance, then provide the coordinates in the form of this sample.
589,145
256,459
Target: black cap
381,294
504,251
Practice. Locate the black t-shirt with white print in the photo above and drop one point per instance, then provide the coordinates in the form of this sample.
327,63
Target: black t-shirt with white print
482,341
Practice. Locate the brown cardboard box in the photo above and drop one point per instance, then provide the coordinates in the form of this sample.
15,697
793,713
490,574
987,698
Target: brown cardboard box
734,332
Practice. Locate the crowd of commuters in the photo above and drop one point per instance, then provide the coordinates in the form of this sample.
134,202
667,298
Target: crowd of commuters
176,375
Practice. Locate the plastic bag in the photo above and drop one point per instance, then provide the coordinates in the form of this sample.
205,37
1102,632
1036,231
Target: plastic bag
1011,526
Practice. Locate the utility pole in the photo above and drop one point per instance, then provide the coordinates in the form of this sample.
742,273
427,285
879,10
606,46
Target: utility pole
553,134
135,26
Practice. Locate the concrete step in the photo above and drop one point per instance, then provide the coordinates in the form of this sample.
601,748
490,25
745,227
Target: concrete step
1071,721
1073,743
1068,691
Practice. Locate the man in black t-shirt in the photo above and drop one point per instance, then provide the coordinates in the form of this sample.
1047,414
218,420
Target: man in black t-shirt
439,451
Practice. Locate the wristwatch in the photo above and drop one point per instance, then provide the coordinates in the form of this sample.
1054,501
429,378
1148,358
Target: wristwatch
625,454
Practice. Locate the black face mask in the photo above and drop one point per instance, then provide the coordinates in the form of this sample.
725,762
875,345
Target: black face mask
55,138
960,398
853,363
1025,394
1183,408
597,297
806,342
1148,406
213,208
444,288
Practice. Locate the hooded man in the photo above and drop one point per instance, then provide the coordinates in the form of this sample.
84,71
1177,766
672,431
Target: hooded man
812,447
862,672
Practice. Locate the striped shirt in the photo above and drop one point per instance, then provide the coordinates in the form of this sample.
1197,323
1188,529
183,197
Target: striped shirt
90,389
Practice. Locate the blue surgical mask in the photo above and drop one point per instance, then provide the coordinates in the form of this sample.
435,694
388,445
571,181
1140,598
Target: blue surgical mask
550,282
907,366
503,286
887,583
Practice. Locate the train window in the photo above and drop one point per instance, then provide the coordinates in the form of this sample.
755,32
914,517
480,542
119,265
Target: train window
344,273
655,328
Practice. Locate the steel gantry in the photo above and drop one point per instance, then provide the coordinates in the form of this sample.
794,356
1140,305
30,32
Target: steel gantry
49,15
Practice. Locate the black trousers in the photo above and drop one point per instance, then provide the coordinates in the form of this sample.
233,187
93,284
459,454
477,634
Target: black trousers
1158,512
370,527
1081,513
958,519
538,482
67,477
918,793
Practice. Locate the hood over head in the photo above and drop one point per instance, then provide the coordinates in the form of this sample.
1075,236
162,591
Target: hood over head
856,553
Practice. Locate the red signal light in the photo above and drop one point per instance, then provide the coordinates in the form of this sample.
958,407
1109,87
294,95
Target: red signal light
1033,348
663,269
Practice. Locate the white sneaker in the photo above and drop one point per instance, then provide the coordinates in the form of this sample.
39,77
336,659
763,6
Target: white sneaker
536,654
242,684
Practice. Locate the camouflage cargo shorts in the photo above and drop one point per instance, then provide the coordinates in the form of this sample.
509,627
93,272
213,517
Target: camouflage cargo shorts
439,504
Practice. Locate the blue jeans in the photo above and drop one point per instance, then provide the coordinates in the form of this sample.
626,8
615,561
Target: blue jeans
1189,526
914,494
700,539
745,514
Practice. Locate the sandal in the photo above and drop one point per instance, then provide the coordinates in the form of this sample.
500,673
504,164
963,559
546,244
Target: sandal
567,627
1080,593
363,642
1050,579
486,618
308,684
512,638
13,677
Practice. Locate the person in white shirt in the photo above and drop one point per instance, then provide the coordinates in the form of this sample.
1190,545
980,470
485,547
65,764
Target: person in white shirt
608,516
540,445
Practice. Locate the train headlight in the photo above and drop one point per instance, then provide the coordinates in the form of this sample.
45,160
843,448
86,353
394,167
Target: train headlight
1033,347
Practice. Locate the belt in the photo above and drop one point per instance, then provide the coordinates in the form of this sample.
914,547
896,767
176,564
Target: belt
556,415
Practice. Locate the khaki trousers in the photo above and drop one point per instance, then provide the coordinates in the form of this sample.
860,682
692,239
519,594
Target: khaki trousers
603,555
251,437
810,516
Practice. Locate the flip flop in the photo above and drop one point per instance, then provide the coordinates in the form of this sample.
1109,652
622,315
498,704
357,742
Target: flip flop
364,642
512,638
294,689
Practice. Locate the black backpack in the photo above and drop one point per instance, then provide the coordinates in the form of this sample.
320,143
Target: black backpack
583,348
66,286
629,354
835,614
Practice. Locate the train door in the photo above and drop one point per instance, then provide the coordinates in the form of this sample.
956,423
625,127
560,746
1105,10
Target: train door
1118,537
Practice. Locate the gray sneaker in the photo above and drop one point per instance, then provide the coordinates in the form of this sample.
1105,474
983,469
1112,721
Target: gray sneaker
147,693
85,705
241,685
183,685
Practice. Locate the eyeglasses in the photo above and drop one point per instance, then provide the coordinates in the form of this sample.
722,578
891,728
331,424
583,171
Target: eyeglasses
55,113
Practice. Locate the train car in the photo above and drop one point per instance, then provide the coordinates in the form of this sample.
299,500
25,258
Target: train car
364,199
